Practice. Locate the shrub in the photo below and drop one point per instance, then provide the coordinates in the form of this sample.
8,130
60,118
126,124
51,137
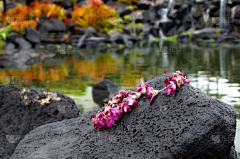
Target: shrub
97,15
48,9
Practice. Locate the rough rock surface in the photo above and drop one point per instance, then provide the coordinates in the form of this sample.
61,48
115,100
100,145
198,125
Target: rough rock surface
189,125
22,110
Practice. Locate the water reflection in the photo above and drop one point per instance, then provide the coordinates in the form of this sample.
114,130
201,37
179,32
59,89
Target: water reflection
212,69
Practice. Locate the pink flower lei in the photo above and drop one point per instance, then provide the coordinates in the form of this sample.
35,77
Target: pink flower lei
125,101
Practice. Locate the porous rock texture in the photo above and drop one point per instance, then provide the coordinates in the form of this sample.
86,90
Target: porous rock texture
22,110
189,125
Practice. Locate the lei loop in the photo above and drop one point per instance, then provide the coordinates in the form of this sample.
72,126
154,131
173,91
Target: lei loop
125,101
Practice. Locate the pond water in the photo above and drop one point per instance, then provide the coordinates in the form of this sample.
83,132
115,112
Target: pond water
213,69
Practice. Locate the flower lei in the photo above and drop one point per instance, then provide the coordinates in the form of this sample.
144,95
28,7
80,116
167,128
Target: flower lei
115,108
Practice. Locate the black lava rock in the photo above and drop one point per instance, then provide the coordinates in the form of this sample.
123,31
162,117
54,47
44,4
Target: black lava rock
116,37
110,3
66,4
169,28
9,47
184,38
150,15
22,44
187,125
121,9
82,3
143,5
103,91
127,42
88,33
206,33
22,110
10,4
11,37
52,25
32,35
68,13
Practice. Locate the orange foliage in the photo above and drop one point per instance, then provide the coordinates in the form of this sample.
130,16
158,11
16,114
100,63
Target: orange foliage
19,13
21,26
97,15
48,9
23,16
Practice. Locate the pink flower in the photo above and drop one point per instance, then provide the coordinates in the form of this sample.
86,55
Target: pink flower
118,98
142,89
165,72
176,80
151,93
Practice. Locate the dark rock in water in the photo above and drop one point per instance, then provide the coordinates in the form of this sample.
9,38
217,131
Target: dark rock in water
206,33
161,5
185,38
116,37
22,110
82,3
110,3
101,45
127,40
22,60
52,25
180,13
121,9
88,33
9,5
143,5
126,31
71,27
96,39
103,91
187,125
150,14
11,37
79,31
198,25
23,44
104,35
66,4
155,32
90,44
133,38
32,35
169,28
50,46
9,47
227,38
68,13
